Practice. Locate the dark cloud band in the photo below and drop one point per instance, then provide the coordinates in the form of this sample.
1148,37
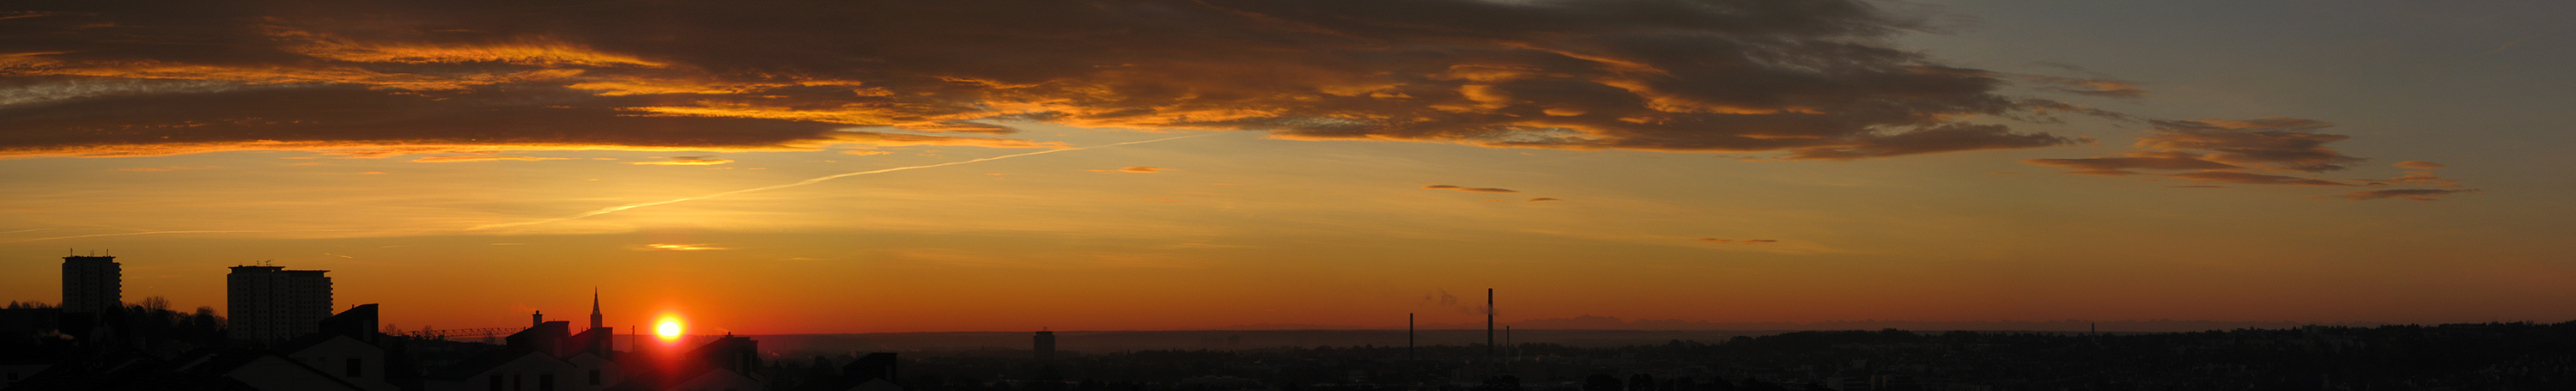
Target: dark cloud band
1809,79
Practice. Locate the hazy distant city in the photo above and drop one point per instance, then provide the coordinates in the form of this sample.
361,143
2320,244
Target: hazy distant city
279,332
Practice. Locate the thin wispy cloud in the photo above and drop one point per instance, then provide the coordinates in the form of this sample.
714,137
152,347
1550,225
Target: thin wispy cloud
619,208
2102,87
2260,151
458,159
2405,194
1734,241
2418,164
677,247
1471,189
1137,170
170,168
684,161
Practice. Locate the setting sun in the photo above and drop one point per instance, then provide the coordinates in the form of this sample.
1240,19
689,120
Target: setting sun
669,328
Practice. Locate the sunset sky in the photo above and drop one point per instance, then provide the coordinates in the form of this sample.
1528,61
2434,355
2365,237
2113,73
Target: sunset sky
784,167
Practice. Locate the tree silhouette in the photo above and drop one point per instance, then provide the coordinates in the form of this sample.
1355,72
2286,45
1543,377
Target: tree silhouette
1602,382
1641,382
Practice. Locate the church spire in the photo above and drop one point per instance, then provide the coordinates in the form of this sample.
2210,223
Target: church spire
594,307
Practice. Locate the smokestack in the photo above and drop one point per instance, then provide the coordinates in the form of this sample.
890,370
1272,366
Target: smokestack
1408,336
1489,323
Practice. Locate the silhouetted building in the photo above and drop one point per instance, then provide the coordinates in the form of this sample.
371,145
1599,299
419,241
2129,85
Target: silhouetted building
92,284
548,355
1045,348
544,357
599,339
357,323
349,349
210,369
594,311
272,304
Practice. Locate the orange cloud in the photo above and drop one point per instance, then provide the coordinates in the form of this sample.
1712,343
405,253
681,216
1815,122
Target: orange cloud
170,168
455,159
899,139
2117,166
710,78
2405,194
2270,143
540,51
2215,150
2254,179
2418,164
2424,178
1543,199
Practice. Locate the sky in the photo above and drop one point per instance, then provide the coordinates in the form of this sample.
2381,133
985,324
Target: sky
781,167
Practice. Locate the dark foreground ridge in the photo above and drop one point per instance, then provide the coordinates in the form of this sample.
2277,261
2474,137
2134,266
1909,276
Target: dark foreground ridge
150,347
2493,356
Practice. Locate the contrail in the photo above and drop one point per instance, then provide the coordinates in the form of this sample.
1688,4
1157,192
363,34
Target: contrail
615,209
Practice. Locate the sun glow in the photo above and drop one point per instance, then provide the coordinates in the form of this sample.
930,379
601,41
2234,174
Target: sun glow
669,327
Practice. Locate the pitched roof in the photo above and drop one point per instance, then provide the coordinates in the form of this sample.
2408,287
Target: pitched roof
305,342
125,370
483,363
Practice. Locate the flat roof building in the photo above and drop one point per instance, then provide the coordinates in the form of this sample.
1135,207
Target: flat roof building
92,284
1045,348
271,304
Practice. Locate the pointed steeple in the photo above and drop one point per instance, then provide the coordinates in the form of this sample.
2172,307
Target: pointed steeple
594,307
